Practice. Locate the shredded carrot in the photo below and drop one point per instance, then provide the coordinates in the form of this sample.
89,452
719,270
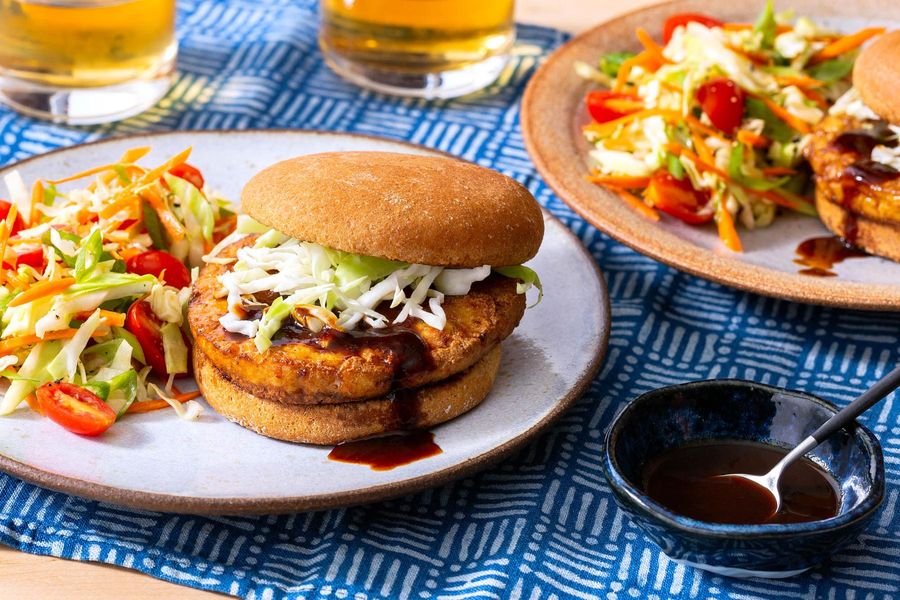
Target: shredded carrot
727,232
17,241
154,174
4,236
11,216
82,174
110,318
845,44
127,253
650,45
624,106
152,405
754,57
126,201
42,289
800,81
744,26
37,198
168,219
671,86
605,129
816,97
644,59
695,123
132,155
749,138
10,345
778,171
794,122
622,181
702,149
680,150
638,204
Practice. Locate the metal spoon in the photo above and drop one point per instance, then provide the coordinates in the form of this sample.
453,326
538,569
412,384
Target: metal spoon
769,481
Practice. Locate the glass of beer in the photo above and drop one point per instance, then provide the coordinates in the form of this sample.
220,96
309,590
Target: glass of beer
82,62
424,48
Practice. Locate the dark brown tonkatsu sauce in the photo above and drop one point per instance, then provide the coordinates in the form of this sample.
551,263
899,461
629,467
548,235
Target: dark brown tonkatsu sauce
684,480
861,142
408,352
388,452
818,255
870,172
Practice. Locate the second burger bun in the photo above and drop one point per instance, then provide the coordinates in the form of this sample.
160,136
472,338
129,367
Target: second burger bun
876,75
417,209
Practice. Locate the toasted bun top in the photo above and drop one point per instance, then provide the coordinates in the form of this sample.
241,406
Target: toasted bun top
418,209
876,75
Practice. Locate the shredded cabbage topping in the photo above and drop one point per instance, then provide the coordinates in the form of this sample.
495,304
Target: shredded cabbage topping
322,287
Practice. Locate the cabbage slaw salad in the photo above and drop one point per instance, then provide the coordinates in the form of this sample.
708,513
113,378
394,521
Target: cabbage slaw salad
93,287
711,124
277,278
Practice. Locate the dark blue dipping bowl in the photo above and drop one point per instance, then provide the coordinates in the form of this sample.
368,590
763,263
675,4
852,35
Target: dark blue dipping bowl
741,410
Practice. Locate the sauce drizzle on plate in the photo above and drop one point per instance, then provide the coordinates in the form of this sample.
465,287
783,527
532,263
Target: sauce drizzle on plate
387,452
818,255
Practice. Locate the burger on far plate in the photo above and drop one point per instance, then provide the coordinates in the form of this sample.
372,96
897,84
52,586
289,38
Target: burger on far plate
856,155
363,293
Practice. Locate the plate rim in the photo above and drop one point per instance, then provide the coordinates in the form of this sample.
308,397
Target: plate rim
172,503
601,211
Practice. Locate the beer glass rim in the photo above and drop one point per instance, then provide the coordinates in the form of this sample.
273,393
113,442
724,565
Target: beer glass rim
79,3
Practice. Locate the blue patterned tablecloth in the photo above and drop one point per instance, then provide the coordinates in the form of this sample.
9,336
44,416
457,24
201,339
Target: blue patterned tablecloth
543,523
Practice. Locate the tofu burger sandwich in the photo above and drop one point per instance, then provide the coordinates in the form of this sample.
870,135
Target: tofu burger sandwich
855,153
363,293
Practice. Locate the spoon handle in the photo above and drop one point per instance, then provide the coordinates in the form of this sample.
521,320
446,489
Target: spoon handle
882,388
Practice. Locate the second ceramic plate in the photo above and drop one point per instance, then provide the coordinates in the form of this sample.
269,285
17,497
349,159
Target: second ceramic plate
551,117
154,461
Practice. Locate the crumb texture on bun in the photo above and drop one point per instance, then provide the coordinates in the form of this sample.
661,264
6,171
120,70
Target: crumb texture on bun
419,209
336,423
877,76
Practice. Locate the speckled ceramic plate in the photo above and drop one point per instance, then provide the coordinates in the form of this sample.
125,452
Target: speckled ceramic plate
154,461
552,114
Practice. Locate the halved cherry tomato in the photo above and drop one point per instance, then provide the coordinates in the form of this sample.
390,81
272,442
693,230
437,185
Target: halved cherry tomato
723,102
160,264
145,325
75,408
189,173
4,212
676,21
607,106
678,198
32,258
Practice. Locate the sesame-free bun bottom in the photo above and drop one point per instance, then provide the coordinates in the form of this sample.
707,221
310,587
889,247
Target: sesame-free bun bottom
881,238
329,424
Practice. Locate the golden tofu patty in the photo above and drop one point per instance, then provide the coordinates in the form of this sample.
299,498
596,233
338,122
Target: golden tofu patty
333,367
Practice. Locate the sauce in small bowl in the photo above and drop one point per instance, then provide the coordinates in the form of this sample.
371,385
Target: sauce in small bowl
662,442
689,481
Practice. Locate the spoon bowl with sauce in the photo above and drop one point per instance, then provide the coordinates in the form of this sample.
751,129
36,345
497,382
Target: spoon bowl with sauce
667,449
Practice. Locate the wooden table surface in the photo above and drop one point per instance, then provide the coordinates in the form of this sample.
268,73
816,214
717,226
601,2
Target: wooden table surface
25,576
